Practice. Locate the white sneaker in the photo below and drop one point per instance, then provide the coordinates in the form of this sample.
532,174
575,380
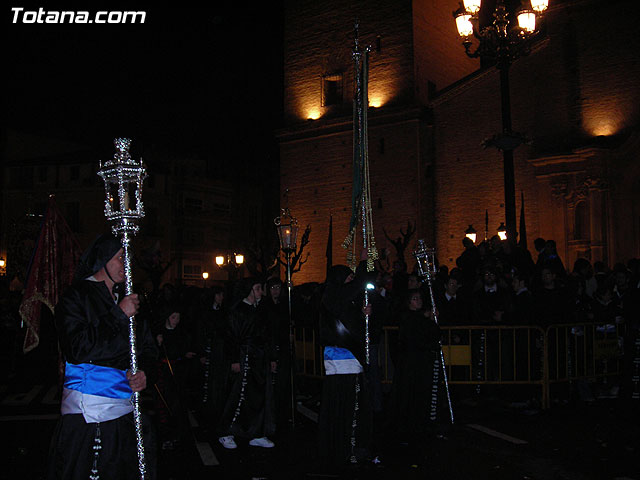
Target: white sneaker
263,442
228,442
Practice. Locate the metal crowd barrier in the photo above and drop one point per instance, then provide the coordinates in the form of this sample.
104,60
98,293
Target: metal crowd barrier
587,353
501,355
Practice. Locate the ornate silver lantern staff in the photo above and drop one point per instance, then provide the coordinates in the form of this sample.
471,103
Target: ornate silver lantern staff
426,262
123,207
287,226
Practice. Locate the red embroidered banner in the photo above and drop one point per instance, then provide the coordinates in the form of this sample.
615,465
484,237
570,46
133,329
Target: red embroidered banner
51,271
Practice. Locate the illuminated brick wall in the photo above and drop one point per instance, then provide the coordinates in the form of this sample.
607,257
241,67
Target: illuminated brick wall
316,155
317,172
576,96
319,39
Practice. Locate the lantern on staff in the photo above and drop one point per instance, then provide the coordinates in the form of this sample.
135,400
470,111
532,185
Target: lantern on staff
123,179
425,260
287,226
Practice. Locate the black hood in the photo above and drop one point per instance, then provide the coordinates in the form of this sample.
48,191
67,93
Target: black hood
97,255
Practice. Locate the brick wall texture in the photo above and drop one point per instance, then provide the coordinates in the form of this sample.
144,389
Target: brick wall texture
576,96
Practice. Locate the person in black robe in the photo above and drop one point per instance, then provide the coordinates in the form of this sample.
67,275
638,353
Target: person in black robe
275,305
248,413
344,424
212,327
93,330
415,398
174,344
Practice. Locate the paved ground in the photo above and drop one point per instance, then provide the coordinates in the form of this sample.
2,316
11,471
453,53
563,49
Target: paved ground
491,439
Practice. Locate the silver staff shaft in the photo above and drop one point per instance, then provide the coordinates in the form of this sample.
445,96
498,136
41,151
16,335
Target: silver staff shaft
444,367
367,338
135,400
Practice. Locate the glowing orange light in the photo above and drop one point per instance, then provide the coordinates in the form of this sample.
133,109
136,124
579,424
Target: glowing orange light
313,114
375,102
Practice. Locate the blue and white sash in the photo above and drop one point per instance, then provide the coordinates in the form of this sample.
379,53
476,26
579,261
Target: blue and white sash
99,393
340,361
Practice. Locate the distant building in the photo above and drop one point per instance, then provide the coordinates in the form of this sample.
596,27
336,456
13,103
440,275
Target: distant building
577,96
191,214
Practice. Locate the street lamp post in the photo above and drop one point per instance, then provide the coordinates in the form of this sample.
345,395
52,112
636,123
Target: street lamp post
287,226
501,42
231,262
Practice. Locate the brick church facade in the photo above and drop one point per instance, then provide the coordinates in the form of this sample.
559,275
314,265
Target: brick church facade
576,96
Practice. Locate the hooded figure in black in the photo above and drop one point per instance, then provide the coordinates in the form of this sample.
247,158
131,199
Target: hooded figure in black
212,327
344,425
415,381
248,413
92,320
277,312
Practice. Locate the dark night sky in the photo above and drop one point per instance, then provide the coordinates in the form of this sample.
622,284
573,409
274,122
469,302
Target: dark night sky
198,81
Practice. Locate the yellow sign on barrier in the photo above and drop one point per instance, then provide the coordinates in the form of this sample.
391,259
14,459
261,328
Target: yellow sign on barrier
457,355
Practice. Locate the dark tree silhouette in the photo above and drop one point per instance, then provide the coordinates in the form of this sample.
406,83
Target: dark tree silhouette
151,262
402,242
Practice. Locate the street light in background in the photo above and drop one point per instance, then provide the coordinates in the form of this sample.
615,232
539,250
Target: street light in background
501,42
205,276
3,267
287,227
231,262
471,233
502,231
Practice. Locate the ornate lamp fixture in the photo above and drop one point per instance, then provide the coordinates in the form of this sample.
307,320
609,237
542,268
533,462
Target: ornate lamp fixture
123,179
503,40
234,260
287,227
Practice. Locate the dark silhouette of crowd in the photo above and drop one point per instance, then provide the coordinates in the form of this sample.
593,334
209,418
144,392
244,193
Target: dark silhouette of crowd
224,351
